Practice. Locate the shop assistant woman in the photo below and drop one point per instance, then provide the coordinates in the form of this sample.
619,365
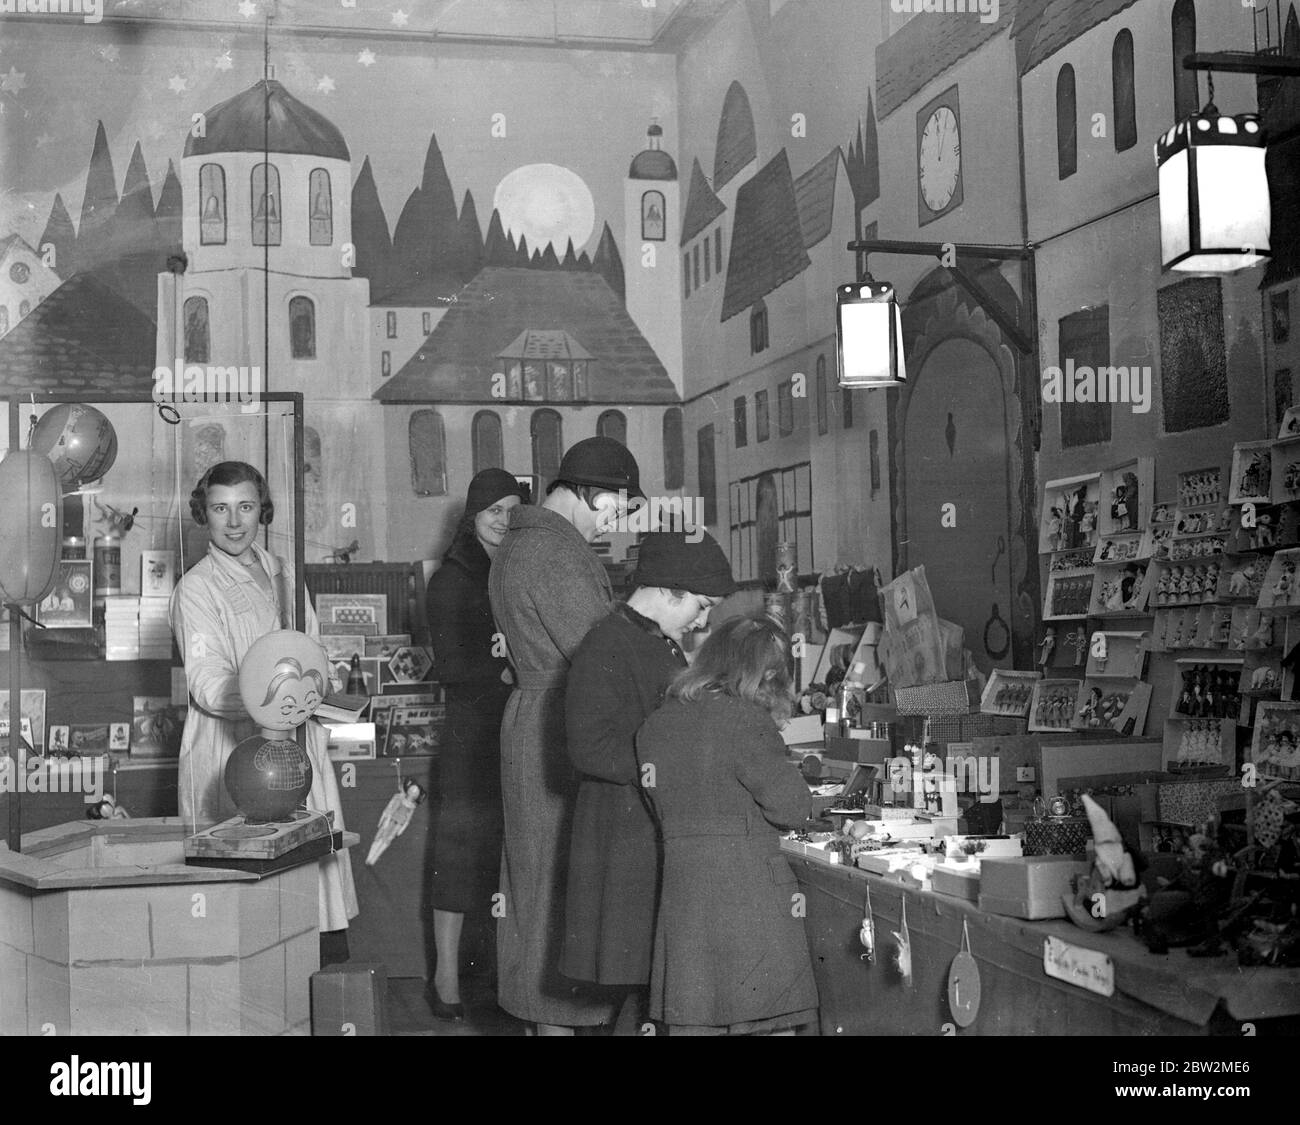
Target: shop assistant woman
235,594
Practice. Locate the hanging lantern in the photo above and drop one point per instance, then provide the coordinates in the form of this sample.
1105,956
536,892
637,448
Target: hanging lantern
869,335
1214,204
31,514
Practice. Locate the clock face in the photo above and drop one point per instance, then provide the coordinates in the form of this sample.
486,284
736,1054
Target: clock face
940,159
20,272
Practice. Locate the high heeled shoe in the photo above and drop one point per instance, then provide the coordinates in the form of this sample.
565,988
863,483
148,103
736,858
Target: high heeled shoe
440,1009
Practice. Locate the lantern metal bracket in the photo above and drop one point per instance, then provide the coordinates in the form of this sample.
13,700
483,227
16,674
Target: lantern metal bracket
1018,337
1243,62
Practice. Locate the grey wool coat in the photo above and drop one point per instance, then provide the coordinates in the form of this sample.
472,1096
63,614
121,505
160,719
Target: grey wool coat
730,950
547,589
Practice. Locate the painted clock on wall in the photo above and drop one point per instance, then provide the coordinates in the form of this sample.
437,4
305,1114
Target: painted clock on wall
938,157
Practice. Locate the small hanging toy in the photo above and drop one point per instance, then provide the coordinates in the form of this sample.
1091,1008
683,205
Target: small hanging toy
867,934
903,954
395,817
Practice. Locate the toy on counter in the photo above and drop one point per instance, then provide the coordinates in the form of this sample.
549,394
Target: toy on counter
1111,892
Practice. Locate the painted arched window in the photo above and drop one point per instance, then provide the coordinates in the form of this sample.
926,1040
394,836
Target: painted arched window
654,217
674,474
767,506
486,436
1067,138
212,205
846,407
612,423
1121,88
302,328
320,214
4,319
708,474
548,447
1291,36
758,327
686,273
822,424
24,307
198,347
1183,28
428,441
266,205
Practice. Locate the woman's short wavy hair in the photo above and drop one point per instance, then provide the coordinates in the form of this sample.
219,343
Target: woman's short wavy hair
228,474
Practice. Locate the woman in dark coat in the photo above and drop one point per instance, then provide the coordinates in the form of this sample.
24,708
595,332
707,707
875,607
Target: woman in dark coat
730,955
467,836
618,677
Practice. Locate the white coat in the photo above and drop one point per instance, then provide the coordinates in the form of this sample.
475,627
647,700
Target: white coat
217,611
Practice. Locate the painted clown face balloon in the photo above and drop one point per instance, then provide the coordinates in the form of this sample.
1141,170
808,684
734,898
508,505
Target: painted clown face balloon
283,678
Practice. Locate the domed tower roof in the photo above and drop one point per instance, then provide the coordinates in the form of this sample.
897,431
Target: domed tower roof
652,163
267,117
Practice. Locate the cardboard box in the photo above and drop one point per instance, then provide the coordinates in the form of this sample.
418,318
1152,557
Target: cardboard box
350,999
961,880
1030,887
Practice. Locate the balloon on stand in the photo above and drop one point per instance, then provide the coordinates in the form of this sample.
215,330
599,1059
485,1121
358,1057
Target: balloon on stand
79,440
268,778
283,678
31,516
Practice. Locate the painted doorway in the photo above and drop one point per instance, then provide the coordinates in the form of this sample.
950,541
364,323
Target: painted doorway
956,451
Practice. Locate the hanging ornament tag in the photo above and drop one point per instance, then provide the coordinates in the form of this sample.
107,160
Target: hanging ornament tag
903,954
964,984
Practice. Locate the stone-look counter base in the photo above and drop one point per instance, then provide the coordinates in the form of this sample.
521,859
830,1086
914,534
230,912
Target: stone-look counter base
105,931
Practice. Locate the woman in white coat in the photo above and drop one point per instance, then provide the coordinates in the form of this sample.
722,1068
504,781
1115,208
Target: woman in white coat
237,593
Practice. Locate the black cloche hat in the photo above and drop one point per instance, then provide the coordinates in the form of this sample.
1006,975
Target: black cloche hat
603,463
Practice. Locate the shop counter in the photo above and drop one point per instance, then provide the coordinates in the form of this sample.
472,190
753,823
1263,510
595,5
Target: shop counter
1170,994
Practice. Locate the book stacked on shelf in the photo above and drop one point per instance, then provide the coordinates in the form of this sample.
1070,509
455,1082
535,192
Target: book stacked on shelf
122,628
155,630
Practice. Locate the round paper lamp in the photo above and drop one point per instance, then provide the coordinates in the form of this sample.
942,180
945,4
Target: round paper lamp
1215,214
31,516
80,441
283,678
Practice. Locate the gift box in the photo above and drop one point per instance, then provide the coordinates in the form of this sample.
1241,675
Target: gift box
1058,835
350,999
1030,887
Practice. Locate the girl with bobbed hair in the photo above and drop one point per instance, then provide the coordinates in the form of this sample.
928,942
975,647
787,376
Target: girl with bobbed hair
237,593
730,955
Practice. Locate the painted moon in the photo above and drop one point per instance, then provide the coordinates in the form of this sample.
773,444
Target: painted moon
546,203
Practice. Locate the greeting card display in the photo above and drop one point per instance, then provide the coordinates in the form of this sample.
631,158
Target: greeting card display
1125,493
1275,746
1281,586
1008,692
1121,655
1161,530
1119,589
1241,578
1199,488
1068,595
157,573
1077,560
1286,470
1290,426
1197,744
1194,627
1053,704
1251,629
68,604
1262,673
1063,647
1184,583
1070,513
354,609
1120,705
1252,473
1123,547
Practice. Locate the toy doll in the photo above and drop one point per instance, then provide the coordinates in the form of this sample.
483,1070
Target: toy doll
1054,530
1211,581
1282,587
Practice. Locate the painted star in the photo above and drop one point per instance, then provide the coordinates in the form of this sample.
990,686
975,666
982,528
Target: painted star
12,82
367,57
400,18
109,53
247,9
154,130
177,84
224,62
325,85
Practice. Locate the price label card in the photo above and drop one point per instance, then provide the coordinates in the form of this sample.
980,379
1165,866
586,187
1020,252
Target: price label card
1085,968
